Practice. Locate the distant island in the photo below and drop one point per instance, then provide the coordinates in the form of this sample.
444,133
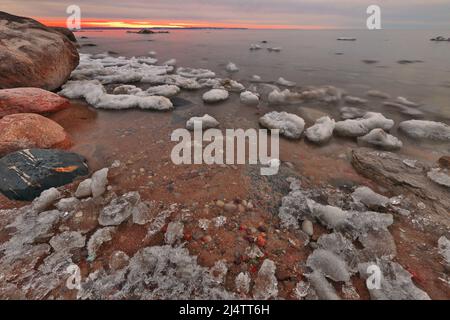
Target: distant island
159,28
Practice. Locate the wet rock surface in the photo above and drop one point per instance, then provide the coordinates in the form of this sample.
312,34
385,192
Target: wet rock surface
25,174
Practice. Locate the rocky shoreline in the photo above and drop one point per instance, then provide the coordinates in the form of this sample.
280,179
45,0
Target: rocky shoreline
284,237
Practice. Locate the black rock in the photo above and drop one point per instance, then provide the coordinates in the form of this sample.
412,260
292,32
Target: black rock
25,174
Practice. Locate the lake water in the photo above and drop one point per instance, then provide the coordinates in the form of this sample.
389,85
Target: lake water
307,57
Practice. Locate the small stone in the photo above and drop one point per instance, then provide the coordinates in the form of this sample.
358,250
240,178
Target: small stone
84,189
308,228
230,207
220,203
444,162
99,182
119,260
46,199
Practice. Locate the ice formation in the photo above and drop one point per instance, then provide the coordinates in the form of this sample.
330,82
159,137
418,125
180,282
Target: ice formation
379,139
206,122
215,95
362,126
321,131
232,67
424,129
249,98
290,125
283,82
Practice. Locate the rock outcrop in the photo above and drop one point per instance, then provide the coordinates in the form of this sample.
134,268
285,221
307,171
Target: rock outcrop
33,55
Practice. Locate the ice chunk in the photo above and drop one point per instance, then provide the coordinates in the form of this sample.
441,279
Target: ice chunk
321,131
215,95
440,176
323,289
354,100
362,126
329,264
174,233
99,182
166,90
119,210
206,122
378,94
282,81
45,200
249,98
380,139
352,113
404,109
286,96
231,67
97,239
266,285
370,198
331,217
290,125
275,49
424,129
195,73
255,47
67,241
406,102
242,282
171,62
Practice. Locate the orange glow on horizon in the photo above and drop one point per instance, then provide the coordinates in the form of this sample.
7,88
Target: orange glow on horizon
139,24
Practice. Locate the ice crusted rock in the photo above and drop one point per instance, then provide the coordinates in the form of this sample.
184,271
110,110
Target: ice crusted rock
206,122
407,102
97,239
440,176
277,97
170,62
362,126
424,129
274,49
231,67
351,112
84,189
329,216
67,241
95,94
290,125
171,273
378,94
404,109
242,282
354,100
249,98
283,82
444,250
119,210
266,285
255,47
370,198
99,182
144,212
215,95
396,283
323,289
46,199
195,73
380,139
341,246
68,204
219,271
174,233
329,264
165,90
321,131
327,94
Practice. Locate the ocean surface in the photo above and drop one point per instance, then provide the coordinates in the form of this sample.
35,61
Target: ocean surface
309,58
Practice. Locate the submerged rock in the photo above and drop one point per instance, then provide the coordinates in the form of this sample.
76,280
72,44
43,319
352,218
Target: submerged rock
206,122
283,82
25,174
321,131
28,130
378,94
290,125
351,112
424,129
354,100
215,95
362,126
277,97
404,109
379,139
34,55
30,100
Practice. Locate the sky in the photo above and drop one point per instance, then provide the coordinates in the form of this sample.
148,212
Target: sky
274,14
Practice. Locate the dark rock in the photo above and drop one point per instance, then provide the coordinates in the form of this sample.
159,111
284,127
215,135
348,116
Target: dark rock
444,162
33,55
25,174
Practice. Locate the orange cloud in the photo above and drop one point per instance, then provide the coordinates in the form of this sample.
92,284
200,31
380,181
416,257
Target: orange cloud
104,23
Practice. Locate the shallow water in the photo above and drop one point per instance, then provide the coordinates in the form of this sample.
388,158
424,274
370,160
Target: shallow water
307,57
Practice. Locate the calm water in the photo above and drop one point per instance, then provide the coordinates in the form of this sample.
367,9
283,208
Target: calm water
307,57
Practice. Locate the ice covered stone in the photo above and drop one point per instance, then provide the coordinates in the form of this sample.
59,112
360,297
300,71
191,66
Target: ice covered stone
231,67
165,90
380,139
424,129
354,100
321,131
68,204
174,233
362,126
195,73
329,264
84,189
351,112
249,98
46,199
440,176
323,289
370,198
67,241
403,109
277,97
170,62
97,239
266,285
378,94
206,122
219,271
407,102
283,82
99,182
290,125
119,210
242,282
215,95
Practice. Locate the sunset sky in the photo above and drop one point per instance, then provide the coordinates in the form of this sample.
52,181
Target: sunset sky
289,14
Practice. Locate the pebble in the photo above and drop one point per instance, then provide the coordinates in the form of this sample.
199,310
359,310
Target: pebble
230,207
308,228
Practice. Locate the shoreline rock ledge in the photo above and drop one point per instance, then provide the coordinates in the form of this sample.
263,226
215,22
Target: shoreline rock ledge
34,55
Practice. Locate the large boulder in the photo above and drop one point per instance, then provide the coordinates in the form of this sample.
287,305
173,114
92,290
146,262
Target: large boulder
66,32
30,100
25,174
29,130
33,55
